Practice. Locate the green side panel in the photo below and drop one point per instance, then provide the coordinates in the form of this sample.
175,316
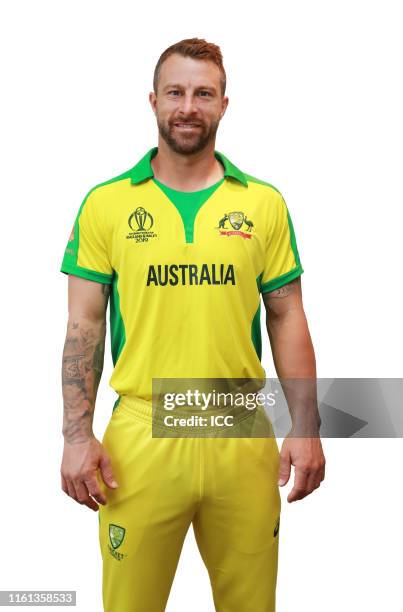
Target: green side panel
188,204
116,404
118,334
256,332
69,263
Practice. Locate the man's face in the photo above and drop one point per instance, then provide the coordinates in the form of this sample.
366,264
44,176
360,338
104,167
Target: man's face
188,105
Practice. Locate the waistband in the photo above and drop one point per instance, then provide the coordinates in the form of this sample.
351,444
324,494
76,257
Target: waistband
242,422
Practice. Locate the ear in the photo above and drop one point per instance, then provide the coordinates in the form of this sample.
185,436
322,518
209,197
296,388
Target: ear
153,101
225,101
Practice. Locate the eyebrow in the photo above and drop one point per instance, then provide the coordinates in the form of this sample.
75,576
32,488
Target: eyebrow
177,86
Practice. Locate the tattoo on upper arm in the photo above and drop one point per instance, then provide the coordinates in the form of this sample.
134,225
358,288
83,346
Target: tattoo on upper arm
283,291
105,289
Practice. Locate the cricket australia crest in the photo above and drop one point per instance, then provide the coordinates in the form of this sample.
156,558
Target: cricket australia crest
237,219
116,537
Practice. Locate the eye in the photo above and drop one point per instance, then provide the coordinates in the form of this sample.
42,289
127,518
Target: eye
205,92
173,91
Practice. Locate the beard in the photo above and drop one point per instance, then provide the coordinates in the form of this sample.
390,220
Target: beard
187,144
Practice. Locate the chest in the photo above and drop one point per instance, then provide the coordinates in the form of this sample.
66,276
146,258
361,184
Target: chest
220,241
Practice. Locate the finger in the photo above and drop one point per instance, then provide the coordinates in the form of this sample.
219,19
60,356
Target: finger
64,485
321,472
106,472
284,469
83,497
94,490
297,493
313,481
299,489
71,489
315,477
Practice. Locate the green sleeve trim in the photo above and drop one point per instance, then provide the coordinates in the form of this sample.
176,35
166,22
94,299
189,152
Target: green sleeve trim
99,277
278,282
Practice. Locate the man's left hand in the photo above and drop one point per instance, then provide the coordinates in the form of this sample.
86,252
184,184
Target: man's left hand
306,455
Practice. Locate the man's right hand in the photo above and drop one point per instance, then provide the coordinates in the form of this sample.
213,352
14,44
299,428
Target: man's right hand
80,464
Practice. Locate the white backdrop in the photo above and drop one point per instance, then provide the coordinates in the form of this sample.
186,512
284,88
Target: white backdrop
315,105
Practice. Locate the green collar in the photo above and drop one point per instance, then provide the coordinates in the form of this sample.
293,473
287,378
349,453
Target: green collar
143,169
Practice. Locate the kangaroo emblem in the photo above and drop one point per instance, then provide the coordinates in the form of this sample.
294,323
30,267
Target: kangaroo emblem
222,221
249,223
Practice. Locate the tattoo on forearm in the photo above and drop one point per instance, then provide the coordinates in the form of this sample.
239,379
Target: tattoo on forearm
72,368
83,358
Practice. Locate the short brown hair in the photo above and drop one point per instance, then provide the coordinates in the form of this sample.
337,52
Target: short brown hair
198,48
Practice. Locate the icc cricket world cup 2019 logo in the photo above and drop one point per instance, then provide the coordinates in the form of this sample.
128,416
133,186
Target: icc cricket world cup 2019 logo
140,222
141,217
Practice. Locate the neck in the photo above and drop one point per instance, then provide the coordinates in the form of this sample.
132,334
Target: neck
186,172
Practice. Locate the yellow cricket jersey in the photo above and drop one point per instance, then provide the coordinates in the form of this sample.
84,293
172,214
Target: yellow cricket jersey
186,280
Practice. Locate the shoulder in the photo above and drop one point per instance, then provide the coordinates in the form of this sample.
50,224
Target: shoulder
98,201
264,188
104,189
269,196
265,185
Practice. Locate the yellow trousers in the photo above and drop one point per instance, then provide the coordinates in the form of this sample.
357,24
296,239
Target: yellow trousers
225,486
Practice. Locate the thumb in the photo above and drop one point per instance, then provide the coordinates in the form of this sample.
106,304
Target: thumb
284,470
106,472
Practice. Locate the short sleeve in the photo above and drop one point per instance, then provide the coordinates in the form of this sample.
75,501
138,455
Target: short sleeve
86,252
282,262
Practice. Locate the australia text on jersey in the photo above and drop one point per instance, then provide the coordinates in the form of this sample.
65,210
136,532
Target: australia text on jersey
191,274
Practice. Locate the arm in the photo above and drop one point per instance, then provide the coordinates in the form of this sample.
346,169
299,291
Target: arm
294,360
83,358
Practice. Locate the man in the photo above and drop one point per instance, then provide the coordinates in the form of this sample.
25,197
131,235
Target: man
183,245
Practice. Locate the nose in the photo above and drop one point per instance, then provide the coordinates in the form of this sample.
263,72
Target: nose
187,105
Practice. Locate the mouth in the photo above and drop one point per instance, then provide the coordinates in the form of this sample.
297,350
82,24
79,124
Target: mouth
187,126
